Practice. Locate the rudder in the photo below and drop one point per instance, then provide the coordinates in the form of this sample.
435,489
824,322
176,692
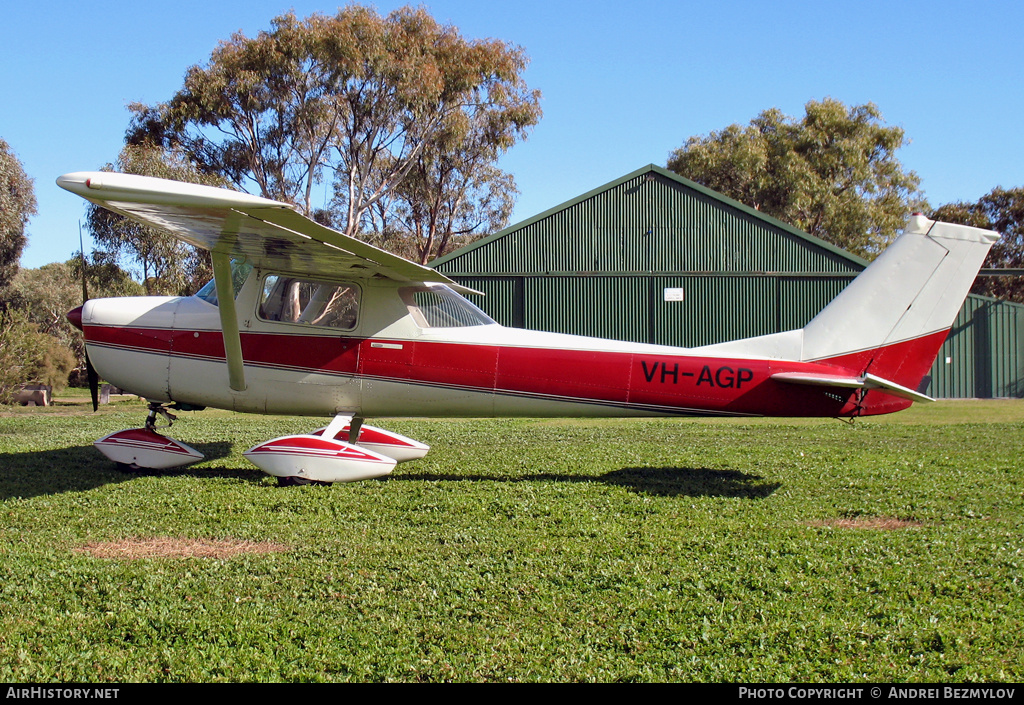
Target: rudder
892,319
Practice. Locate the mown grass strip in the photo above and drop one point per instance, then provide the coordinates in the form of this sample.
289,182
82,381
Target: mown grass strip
526,550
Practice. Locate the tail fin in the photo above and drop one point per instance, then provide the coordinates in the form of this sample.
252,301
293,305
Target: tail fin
886,327
892,319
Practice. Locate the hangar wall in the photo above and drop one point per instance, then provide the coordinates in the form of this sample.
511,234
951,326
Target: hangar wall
652,257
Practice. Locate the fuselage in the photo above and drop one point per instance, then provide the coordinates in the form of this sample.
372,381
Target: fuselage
404,352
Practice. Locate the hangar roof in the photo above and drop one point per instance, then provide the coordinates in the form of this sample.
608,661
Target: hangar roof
650,220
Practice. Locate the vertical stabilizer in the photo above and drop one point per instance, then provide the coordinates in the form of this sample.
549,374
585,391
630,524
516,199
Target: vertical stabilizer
892,319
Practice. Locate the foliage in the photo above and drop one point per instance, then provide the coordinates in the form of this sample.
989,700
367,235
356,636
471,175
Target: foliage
17,352
440,206
54,365
43,296
736,550
833,173
166,265
17,205
28,355
356,100
104,277
1001,210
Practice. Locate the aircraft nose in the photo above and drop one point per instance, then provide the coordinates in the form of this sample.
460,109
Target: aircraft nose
75,317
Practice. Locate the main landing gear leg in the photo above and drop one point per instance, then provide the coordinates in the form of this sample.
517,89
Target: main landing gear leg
337,425
355,428
354,423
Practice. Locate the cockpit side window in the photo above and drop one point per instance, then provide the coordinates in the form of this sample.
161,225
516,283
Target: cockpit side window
324,304
437,306
240,270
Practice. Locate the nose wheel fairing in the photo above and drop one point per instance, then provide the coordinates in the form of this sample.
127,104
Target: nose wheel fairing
139,448
145,448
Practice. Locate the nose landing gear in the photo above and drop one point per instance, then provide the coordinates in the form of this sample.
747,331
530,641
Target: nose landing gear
138,448
155,409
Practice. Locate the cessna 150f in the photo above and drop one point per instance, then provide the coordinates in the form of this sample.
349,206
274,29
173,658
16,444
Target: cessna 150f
300,319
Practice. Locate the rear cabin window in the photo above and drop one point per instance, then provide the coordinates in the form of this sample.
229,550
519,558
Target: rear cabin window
440,307
304,301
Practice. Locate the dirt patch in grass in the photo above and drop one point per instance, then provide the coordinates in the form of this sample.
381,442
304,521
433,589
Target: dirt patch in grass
879,523
166,547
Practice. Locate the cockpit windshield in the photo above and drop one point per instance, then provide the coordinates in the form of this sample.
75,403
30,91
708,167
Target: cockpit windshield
437,306
239,273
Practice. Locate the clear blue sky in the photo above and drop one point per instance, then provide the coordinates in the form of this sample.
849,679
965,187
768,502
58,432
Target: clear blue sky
624,83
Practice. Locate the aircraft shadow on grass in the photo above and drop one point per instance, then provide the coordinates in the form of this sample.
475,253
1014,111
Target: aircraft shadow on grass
82,468
693,482
663,482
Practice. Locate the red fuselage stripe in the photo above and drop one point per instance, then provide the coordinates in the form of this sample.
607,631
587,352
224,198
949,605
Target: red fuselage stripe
625,379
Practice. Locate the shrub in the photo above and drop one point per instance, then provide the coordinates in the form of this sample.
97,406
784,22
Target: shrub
27,355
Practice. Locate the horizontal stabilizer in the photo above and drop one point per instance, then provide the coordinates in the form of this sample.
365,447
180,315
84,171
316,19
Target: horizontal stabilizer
867,381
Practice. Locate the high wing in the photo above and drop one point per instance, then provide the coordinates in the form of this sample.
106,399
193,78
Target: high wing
235,225
231,224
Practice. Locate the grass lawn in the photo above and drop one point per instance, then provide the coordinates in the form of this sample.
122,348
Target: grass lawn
522,550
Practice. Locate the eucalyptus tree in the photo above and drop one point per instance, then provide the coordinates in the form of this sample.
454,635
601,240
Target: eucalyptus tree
833,173
350,102
452,194
17,205
440,206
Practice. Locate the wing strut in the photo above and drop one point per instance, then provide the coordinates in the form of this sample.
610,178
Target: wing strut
228,320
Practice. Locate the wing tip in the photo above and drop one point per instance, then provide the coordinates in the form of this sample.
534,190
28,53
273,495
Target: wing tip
103,186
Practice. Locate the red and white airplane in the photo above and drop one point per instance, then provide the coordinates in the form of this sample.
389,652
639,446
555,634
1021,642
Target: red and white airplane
303,320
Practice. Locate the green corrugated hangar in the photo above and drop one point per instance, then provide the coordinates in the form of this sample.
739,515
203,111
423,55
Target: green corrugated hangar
655,258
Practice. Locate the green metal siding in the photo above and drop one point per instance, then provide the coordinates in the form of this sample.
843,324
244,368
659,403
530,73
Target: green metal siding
714,309
983,356
499,300
603,307
801,298
1007,351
